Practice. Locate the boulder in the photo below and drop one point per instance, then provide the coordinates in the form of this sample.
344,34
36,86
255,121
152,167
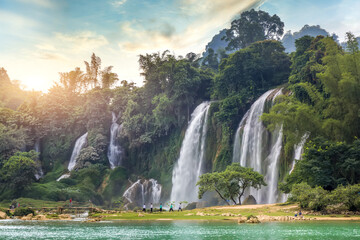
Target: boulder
253,220
3,215
190,206
189,214
141,215
250,200
94,220
241,219
27,217
39,217
65,217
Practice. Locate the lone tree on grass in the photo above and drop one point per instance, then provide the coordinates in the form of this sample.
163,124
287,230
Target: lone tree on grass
231,183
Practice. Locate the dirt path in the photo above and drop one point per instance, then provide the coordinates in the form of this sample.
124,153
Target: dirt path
273,206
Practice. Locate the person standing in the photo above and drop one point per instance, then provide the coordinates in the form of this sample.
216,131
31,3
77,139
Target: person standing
144,208
171,208
70,202
160,207
151,207
179,207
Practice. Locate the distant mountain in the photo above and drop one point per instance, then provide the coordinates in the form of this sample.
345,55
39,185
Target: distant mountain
289,39
216,43
344,44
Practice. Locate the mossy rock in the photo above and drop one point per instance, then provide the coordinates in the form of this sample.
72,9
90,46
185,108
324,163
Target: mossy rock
250,200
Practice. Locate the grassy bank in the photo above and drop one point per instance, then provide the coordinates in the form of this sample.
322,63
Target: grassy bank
222,213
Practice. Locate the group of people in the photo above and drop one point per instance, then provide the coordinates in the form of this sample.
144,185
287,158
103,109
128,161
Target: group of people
161,207
299,214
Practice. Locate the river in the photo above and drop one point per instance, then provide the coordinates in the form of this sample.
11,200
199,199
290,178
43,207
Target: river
16,229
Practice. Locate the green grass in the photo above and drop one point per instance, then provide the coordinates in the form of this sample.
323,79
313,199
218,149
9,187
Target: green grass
35,203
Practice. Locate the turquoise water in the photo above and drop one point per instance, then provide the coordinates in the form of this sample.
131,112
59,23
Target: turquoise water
177,230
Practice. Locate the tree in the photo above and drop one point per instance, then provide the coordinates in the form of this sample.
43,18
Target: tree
252,70
19,170
253,26
93,70
108,78
73,81
231,183
352,44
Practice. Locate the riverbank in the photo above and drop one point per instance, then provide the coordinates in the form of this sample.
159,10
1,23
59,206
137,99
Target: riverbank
243,213
262,212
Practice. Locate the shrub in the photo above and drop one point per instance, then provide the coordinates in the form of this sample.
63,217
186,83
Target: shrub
349,196
23,211
313,198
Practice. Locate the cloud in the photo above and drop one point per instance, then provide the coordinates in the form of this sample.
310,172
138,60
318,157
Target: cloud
46,55
40,3
211,16
13,20
82,41
118,3
62,47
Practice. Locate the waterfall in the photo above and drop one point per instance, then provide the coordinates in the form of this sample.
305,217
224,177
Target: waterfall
298,150
259,149
79,144
39,172
189,166
66,175
143,191
114,151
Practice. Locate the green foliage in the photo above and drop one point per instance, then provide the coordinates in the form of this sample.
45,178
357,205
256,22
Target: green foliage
318,199
252,70
313,198
19,170
23,211
253,26
349,196
327,164
115,184
231,183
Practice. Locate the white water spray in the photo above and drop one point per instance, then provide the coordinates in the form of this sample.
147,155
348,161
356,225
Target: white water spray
114,153
189,166
79,144
144,191
259,149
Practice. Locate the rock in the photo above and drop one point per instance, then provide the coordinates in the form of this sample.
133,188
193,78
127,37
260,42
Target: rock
190,206
65,217
39,217
141,215
189,214
93,220
27,217
228,215
253,220
3,215
241,219
250,200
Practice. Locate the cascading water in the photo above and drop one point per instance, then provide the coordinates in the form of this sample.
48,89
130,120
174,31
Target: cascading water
79,144
189,166
143,191
298,150
114,151
39,172
259,149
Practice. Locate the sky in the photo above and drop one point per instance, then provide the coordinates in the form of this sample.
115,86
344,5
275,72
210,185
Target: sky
40,38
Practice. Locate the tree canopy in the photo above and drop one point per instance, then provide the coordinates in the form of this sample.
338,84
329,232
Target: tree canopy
253,26
231,183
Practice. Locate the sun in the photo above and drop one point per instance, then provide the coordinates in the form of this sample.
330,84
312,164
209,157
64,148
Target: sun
36,83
